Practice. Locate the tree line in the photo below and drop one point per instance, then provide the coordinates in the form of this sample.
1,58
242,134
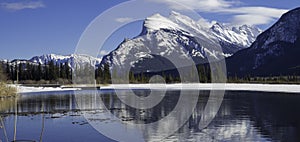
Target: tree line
29,73
62,73
50,73
3,77
103,75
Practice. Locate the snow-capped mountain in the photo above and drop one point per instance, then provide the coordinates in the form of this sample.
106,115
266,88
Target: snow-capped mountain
233,39
50,57
72,60
275,52
179,37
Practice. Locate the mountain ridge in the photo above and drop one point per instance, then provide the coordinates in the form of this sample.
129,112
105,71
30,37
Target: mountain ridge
274,52
72,60
179,35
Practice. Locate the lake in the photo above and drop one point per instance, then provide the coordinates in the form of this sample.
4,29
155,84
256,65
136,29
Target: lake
78,116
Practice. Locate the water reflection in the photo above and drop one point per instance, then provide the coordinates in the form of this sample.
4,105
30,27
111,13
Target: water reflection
243,116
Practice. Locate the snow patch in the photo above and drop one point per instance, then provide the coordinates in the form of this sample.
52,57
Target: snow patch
213,86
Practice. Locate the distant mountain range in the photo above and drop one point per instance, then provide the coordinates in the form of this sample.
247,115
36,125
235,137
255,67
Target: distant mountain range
72,60
275,52
248,50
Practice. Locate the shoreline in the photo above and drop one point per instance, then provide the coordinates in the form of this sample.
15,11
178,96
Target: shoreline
284,88
27,89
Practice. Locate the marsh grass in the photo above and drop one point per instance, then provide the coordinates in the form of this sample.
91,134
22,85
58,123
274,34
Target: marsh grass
7,91
6,104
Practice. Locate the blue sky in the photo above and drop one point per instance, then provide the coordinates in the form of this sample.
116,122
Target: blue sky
36,27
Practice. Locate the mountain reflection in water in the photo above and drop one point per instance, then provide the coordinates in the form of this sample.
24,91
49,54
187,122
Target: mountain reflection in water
243,116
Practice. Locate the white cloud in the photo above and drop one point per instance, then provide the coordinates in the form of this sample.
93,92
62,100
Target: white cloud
266,11
15,6
240,14
206,23
251,19
103,52
200,5
124,19
255,15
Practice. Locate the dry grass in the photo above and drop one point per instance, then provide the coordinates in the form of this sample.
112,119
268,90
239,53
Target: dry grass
6,91
6,104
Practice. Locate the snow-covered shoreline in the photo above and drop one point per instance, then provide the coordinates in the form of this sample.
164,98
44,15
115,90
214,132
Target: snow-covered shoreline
285,88
26,89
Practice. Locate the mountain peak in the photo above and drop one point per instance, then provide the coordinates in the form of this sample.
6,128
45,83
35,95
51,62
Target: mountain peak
178,15
157,22
217,26
291,18
295,11
177,36
286,29
70,59
174,13
275,51
243,35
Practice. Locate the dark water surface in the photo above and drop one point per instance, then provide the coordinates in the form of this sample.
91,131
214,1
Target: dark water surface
243,116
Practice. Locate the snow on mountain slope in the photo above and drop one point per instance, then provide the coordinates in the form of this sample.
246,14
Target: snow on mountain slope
50,57
190,25
182,37
275,52
242,36
157,22
72,59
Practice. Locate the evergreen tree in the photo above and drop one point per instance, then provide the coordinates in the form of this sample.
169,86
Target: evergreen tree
28,71
99,75
62,73
20,73
170,79
143,78
8,71
131,77
16,72
13,76
2,74
57,73
68,71
46,71
106,74
39,73
52,71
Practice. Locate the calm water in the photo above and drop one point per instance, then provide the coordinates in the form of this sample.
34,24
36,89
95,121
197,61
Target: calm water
243,116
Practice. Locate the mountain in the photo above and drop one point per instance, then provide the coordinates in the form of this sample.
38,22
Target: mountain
275,52
233,39
72,60
51,57
179,37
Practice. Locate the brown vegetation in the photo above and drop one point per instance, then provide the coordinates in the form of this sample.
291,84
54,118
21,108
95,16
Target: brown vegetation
7,91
